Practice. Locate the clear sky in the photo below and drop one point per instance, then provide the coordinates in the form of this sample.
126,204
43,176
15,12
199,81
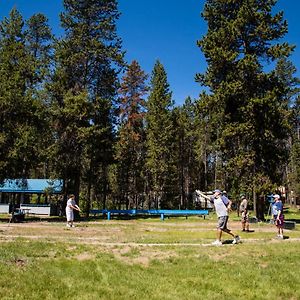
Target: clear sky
161,29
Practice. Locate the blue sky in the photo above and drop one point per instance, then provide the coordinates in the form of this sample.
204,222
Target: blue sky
161,29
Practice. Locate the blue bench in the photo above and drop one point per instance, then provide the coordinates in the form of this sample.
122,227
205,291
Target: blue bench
161,212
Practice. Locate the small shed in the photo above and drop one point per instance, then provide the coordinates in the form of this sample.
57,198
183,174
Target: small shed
20,192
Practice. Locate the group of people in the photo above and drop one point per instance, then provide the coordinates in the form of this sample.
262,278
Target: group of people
222,207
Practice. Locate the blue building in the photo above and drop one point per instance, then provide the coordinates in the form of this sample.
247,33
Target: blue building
30,192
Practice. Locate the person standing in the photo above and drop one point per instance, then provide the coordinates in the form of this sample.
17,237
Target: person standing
222,206
244,214
71,205
277,211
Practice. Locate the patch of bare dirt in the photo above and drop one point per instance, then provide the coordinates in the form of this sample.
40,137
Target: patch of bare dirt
85,256
140,255
219,257
19,262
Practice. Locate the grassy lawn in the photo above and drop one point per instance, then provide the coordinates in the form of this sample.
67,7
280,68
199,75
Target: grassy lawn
146,259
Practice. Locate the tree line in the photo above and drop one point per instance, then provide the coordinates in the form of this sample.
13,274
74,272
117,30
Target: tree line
72,108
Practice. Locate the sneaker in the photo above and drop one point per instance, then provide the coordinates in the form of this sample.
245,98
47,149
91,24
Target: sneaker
236,240
68,225
217,243
280,236
73,225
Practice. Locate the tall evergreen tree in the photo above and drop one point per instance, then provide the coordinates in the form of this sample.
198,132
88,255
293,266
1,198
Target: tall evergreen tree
294,163
160,162
130,147
285,70
188,167
39,41
246,104
20,112
88,60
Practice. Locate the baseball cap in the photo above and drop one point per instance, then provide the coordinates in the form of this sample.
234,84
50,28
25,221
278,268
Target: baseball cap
217,191
276,196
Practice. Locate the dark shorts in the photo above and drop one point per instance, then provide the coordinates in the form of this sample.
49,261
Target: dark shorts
279,222
222,222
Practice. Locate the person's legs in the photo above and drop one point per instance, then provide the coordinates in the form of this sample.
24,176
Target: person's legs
70,218
243,220
218,242
229,232
247,221
280,230
247,226
279,225
236,238
219,234
243,225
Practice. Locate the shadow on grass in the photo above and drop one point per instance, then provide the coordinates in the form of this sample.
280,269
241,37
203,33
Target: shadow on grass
227,242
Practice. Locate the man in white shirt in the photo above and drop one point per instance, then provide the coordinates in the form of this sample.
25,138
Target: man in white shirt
222,206
71,205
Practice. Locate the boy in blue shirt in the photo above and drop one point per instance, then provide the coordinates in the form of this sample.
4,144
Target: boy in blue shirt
277,211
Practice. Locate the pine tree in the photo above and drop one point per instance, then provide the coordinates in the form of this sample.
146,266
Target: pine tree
88,60
160,162
285,70
130,147
246,105
21,114
189,169
39,41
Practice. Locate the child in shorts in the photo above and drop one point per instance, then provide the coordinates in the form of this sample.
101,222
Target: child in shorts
277,211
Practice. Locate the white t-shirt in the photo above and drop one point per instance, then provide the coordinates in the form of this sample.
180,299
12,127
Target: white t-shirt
220,207
70,203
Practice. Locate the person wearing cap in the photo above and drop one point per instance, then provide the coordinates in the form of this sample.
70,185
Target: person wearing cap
222,206
244,213
277,211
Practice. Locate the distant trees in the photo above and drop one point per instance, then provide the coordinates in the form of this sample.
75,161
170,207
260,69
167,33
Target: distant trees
22,112
72,108
247,106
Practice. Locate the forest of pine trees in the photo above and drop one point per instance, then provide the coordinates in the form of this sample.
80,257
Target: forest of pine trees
72,108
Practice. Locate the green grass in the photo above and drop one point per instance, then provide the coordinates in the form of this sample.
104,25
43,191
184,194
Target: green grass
38,270
48,261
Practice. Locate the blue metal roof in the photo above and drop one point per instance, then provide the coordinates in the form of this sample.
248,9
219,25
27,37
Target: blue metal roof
33,186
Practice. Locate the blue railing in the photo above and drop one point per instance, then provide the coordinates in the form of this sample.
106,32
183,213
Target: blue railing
161,212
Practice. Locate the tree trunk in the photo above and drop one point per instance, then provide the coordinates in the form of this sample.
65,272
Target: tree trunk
254,201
